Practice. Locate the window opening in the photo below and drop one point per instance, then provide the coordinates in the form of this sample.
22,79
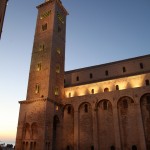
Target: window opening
134,147
44,27
124,69
106,90
147,82
141,65
37,88
41,47
112,147
39,66
91,75
92,147
105,105
106,72
92,91
77,78
56,91
69,94
58,50
117,87
58,68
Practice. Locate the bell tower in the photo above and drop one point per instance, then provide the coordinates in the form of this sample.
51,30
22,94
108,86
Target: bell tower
39,113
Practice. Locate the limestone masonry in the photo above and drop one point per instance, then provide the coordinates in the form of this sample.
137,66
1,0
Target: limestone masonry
103,107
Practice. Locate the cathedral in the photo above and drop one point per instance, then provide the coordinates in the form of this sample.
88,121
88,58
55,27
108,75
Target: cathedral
102,107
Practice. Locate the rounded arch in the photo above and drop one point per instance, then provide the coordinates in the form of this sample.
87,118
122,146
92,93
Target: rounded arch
84,106
68,108
34,130
145,95
104,104
124,101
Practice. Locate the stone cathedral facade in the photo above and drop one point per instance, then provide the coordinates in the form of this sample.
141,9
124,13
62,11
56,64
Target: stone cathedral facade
103,107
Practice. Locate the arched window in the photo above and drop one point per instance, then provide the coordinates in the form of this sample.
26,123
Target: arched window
37,88
105,105
56,91
125,103
134,147
69,109
147,82
86,108
117,87
106,90
112,148
92,91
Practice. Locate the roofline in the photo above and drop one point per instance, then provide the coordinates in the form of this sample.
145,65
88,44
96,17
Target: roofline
110,63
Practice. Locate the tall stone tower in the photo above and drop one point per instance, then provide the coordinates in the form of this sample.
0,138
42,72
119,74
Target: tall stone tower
3,4
40,114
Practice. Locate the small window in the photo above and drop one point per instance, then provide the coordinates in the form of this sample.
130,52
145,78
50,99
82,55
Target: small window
106,90
141,65
106,73
37,88
58,68
39,67
147,82
125,103
117,87
56,91
92,91
58,50
57,108
69,110
77,78
148,99
69,94
92,147
112,148
91,75
41,47
105,105
134,147
44,27
85,108
124,69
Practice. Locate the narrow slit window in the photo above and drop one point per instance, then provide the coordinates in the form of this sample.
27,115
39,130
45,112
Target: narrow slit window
58,50
39,66
91,75
141,65
92,91
37,88
106,73
77,78
56,91
41,47
124,69
58,68
69,94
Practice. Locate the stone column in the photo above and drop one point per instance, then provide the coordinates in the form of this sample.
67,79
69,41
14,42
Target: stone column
95,131
140,126
116,128
76,130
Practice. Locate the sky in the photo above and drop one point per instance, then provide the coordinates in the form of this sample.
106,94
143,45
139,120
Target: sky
98,32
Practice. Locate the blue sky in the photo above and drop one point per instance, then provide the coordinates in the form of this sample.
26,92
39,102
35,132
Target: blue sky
98,32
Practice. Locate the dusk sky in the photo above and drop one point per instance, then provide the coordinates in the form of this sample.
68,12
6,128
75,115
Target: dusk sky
98,32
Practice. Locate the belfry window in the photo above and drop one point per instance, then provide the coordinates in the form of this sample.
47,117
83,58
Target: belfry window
44,27
37,88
